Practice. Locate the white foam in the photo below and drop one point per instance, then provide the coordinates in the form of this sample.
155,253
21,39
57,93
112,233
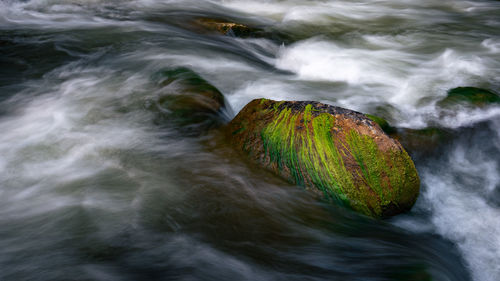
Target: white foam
321,60
263,88
492,44
463,215
55,15
59,137
324,11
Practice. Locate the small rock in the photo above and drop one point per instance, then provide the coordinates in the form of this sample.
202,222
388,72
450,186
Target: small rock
225,27
233,29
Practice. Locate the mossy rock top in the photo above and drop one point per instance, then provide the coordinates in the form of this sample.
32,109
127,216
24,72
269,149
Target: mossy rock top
470,96
339,152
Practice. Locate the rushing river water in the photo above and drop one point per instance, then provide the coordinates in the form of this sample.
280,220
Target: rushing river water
93,188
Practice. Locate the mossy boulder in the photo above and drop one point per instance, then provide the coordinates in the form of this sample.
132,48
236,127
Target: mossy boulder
470,96
340,153
187,101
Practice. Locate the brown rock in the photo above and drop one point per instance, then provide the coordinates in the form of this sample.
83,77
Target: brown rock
338,152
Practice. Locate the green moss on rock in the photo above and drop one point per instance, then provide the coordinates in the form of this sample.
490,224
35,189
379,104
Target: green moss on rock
336,151
471,96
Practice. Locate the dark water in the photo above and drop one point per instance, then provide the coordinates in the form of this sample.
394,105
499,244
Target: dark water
93,188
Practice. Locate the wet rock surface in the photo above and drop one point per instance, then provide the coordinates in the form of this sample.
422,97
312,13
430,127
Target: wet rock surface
224,27
337,152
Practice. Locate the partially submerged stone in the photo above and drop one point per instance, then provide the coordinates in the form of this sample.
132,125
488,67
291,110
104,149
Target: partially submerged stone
234,29
339,152
188,101
225,27
470,96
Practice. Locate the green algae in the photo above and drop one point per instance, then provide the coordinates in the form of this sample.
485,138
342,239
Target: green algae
372,164
302,144
386,173
470,95
302,150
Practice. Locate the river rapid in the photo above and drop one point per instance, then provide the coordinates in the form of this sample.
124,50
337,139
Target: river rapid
92,187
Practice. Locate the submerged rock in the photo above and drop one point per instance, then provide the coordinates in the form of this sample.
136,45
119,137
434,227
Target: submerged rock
339,152
188,101
470,96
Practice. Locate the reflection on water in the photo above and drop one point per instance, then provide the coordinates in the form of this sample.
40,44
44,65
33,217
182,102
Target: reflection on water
92,187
